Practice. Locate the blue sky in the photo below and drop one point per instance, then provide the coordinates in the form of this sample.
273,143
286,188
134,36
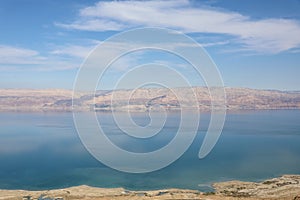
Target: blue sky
254,43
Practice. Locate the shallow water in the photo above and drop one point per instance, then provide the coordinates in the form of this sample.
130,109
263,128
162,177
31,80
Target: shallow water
43,151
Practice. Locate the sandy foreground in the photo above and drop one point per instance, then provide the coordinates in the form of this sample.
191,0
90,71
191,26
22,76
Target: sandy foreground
285,187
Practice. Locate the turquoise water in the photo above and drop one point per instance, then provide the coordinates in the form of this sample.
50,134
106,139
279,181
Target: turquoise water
43,151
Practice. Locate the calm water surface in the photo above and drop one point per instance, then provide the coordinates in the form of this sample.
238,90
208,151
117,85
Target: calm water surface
43,151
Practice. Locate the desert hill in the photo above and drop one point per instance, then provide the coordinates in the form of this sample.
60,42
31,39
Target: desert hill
142,99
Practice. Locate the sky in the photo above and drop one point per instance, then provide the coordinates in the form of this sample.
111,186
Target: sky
254,43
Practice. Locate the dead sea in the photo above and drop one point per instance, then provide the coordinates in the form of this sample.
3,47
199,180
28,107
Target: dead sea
42,152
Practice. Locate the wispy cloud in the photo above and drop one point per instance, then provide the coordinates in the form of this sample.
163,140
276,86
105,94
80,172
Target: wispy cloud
209,44
73,50
16,55
264,35
22,59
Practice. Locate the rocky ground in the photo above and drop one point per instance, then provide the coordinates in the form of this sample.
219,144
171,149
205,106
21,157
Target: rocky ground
286,187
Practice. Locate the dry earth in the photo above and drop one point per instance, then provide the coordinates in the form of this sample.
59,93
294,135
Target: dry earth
286,187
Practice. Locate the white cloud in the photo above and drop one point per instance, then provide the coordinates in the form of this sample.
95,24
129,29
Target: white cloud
73,50
93,25
215,43
15,55
263,35
21,59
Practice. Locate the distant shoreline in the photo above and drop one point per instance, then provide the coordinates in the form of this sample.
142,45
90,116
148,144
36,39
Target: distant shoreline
284,187
134,111
143,100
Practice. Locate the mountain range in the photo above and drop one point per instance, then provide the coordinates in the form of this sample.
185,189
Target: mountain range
143,99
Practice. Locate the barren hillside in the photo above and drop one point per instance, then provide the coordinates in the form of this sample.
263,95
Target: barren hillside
142,99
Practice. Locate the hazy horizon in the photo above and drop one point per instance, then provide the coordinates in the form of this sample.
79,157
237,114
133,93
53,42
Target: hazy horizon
226,87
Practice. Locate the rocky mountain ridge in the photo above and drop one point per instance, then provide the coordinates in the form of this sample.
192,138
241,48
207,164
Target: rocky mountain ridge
142,99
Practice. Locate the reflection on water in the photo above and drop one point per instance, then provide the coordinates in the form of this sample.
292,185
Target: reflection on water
43,150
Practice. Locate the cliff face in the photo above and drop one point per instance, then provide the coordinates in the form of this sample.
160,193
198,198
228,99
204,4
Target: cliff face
143,99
